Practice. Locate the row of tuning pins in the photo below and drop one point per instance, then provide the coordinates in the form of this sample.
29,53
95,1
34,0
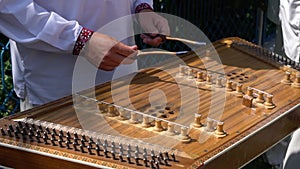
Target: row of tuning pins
267,54
85,144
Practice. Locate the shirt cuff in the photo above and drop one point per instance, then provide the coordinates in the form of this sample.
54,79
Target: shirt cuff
141,7
82,39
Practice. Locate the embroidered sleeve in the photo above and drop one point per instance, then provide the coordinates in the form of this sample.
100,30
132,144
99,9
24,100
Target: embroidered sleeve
142,6
83,37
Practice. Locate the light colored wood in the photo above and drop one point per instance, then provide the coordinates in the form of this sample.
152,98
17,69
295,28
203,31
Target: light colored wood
186,41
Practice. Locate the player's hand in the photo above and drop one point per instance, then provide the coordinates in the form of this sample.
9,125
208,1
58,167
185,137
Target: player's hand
153,25
107,53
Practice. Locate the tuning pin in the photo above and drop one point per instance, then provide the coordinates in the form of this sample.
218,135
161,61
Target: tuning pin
3,132
45,135
157,165
89,150
152,164
129,159
11,128
173,157
98,151
90,144
30,135
37,137
60,137
31,131
161,155
48,130
60,143
137,149
152,152
166,162
75,135
26,125
54,131
82,148
121,157
75,147
33,126
145,151
167,156
145,162
23,135
20,124
128,147
159,159
105,153
68,145
153,157
68,134
91,140
83,137
97,146
18,129
40,128
16,134
53,136
137,161
45,140
53,142
24,130
83,142
113,155
105,143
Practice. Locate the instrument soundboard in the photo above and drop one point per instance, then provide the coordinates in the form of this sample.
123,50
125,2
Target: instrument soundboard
190,112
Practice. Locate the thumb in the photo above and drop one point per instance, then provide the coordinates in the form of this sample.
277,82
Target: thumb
131,57
134,47
125,50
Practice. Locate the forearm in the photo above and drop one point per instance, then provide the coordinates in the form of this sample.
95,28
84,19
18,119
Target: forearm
294,18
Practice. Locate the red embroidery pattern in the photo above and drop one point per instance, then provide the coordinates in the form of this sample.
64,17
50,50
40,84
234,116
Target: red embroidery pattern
83,37
142,6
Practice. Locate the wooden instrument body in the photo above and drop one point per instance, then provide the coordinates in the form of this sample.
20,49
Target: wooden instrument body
249,130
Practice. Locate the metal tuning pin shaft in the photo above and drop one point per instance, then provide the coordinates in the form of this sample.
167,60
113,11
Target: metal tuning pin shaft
16,134
37,137
20,124
3,132
129,159
82,148
121,157
113,155
68,145
98,151
9,133
60,143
